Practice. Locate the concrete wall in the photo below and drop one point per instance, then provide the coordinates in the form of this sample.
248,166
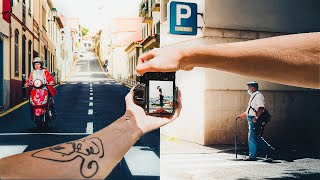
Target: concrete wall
290,16
223,96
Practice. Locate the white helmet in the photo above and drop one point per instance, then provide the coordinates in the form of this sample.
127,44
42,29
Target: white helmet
37,60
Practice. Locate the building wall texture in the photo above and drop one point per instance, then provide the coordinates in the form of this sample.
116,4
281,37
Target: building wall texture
223,95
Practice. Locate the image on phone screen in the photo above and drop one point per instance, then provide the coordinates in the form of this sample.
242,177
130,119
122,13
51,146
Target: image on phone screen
161,97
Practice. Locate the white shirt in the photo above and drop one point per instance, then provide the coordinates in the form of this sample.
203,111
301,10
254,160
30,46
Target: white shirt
257,102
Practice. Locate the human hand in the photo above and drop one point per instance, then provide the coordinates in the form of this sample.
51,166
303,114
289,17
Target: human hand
254,120
148,123
241,116
163,60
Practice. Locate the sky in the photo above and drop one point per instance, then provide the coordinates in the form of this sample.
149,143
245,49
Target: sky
96,14
166,86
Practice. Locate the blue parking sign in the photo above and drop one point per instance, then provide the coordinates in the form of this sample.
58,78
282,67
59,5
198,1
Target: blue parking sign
183,18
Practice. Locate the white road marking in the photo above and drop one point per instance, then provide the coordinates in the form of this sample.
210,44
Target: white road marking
91,90
90,111
91,99
74,83
10,150
91,94
90,103
96,83
107,83
89,129
63,83
85,83
142,161
90,85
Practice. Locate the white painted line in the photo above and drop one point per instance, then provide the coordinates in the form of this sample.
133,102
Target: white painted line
91,99
91,90
91,85
64,134
63,83
85,83
90,111
11,150
91,94
90,103
142,161
119,83
74,83
89,129
107,83
96,83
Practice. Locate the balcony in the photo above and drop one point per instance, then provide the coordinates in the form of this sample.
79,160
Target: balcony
152,41
155,5
143,6
146,19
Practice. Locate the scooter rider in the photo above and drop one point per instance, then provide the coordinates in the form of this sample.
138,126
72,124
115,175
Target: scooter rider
44,75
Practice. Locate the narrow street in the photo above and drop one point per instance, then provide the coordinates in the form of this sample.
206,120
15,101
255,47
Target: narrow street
87,101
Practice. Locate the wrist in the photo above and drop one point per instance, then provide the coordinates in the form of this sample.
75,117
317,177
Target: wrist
132,127
186,59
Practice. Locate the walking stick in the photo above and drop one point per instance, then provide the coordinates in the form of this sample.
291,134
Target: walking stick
235,138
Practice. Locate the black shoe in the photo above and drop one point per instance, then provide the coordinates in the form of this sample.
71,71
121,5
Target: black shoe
250,159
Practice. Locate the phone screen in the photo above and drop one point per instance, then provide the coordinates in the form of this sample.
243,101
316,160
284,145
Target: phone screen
161,97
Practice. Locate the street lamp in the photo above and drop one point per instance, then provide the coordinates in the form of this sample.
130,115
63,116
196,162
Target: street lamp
54,14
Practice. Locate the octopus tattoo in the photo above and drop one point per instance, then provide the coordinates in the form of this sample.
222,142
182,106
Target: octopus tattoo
89,150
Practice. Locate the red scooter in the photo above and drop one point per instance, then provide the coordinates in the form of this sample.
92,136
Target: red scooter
40,104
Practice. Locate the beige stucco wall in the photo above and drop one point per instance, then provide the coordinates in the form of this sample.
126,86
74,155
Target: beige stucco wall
4,29
17,11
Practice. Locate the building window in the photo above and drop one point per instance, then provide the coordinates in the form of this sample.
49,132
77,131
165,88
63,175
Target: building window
164,11
16,53
24,51
24,11
29,10
29,56
147,34
44,18
158,28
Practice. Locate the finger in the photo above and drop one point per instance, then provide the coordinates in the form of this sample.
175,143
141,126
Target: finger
146,56
145,67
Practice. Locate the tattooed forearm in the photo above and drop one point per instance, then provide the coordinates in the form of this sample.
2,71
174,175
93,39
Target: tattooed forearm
89,150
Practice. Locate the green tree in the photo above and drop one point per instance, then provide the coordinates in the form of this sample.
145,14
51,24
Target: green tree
84,31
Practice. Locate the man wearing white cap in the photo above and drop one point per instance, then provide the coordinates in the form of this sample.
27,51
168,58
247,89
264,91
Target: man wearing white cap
254,110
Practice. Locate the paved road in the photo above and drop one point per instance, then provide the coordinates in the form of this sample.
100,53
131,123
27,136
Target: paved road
181,160
86,102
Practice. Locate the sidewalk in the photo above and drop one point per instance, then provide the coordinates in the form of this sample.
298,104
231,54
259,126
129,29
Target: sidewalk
185,160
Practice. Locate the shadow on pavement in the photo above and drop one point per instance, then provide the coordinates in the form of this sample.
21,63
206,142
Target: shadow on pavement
302,174
283,152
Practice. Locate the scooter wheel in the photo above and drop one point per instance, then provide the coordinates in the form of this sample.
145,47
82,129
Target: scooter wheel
39,122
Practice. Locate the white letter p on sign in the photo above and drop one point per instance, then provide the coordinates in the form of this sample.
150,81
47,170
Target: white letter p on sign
180,15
